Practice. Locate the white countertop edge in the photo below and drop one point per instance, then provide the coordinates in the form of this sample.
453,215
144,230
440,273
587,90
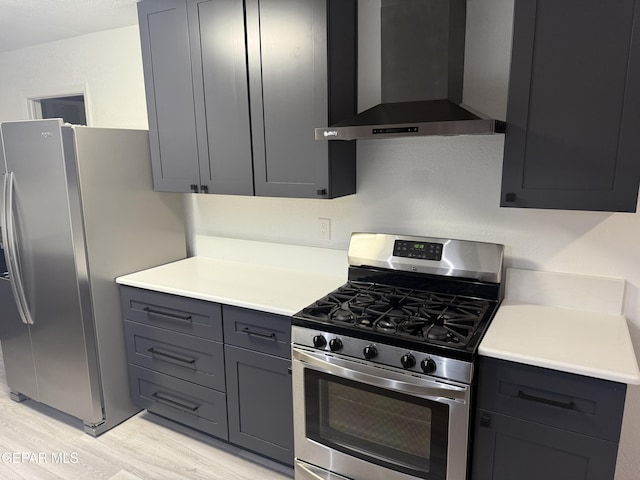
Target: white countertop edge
566,367
513,321
256,287
208,297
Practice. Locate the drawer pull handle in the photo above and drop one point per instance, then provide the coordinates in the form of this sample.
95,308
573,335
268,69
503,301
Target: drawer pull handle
546,401
168,316
485,420
270,336
160,353
191,407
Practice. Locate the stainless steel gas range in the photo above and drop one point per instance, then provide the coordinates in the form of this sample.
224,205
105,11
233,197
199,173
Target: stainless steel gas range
383,367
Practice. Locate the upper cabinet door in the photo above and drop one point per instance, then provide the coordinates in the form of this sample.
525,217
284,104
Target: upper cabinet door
221,93
290,63
235,89
169,91
573,114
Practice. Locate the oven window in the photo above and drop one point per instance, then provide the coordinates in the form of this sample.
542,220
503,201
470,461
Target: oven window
395,430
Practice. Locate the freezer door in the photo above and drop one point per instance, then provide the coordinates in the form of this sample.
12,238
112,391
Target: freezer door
14,333
16,345
54,276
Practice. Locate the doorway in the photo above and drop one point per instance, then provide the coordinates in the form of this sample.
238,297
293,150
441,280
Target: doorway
71,108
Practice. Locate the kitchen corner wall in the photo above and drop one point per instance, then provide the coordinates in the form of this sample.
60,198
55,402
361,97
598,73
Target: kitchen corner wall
438,186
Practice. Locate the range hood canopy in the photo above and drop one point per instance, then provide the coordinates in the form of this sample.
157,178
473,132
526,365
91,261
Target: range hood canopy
422,63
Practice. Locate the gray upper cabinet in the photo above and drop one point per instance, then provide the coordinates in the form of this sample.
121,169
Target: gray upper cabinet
169,90
254,79
290,68
574,106
219,62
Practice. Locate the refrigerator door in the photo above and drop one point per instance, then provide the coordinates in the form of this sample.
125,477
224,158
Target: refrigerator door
16,345
53,275
14,334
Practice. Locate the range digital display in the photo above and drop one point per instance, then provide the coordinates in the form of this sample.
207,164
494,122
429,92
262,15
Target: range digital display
419,250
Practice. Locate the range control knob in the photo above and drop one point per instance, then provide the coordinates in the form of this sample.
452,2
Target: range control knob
408,360
428,365
319,341
370,352
335,344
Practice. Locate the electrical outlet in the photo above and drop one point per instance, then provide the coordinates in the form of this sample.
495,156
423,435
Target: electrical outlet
324,228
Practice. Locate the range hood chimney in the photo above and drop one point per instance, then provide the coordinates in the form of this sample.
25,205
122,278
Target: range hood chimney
422,63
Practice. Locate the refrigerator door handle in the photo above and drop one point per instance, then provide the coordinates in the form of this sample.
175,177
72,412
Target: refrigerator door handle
10,251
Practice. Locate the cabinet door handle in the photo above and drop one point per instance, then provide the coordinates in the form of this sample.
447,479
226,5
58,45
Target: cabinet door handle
168,316
172,356
270,336
546,401
159,397
485,420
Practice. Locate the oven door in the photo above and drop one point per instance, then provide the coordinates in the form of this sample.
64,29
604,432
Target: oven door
360,421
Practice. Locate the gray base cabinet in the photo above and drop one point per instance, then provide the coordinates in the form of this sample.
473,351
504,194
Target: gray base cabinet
258,367
260,405
509,448
574,106
223,370
235,89
175,358
533,423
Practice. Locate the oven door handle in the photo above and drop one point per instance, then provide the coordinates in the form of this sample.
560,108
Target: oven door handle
399,382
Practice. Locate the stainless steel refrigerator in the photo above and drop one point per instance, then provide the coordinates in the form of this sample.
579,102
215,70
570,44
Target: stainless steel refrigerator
77,210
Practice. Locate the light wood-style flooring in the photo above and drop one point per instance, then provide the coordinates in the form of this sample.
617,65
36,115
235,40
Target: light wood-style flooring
40,443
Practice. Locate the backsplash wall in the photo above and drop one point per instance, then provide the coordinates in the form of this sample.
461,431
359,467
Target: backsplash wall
430,186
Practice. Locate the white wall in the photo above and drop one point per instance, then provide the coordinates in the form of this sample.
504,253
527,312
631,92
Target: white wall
445,187
106,66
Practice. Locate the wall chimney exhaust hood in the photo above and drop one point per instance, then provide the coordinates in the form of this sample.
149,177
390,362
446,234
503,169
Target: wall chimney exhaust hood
422,63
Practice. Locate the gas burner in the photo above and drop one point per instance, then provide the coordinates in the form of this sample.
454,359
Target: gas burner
364,299
365,321
438,332
320,313
385,325
342,314
411,327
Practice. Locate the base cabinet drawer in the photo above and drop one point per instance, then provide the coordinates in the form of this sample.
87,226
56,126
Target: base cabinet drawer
260,403
259,331
187,357
508,448
190,404
173,312
585,405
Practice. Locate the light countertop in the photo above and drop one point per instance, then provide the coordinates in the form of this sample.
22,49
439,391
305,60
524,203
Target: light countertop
274,278
562,322
595,342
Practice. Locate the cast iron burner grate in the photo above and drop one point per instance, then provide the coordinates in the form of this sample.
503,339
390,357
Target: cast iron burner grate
444,319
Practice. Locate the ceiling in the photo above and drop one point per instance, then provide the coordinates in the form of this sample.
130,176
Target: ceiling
24,23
